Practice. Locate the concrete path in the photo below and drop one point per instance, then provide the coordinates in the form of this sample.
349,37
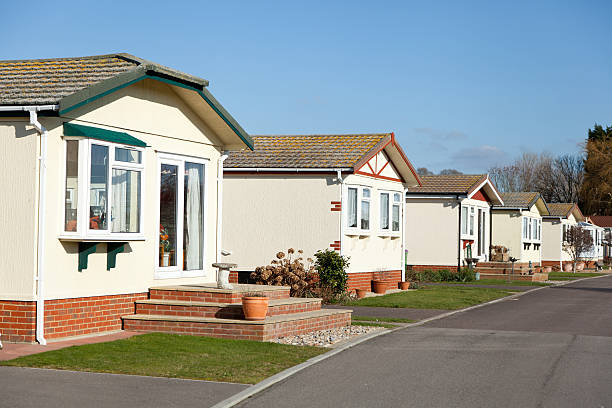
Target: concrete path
546,349
31,387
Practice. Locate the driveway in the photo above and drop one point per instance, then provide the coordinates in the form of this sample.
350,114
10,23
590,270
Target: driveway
549,348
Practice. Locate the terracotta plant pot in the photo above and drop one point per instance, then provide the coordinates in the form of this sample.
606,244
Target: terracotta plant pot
379,287
547,269
361,293
567,267
404,285
255,307
580,266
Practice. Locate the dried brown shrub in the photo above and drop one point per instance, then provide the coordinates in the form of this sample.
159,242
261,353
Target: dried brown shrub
288,271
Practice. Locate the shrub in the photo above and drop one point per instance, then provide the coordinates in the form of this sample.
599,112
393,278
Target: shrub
465,275
331,267
443,275
286,271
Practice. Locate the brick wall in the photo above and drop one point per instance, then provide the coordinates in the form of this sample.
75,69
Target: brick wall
363,280
335,246
336,206
87,315
17,321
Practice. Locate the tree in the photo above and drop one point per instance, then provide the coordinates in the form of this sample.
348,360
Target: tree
576,242
596,191
447,172
423,171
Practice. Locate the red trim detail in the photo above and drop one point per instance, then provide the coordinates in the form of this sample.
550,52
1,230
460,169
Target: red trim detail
383,167
401,151
481,196
373,171
378,176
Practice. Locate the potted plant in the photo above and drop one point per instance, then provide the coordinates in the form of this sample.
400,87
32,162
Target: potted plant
164,244
379,285
547,269
361,293
580,266
404,285
568,267
255,306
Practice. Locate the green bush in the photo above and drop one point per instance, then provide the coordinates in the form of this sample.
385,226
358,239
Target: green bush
331,267
443,275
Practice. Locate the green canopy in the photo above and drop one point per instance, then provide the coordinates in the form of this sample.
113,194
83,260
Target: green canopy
72,129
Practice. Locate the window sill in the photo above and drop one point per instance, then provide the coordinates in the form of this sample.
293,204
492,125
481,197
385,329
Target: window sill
391,235
357,233
122,238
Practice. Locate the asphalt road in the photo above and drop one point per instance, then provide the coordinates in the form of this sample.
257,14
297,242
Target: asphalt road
550,348
27,387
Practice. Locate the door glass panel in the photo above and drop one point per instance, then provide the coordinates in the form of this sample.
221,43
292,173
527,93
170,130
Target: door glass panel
193,233
125,208
98,191
167,215
72,187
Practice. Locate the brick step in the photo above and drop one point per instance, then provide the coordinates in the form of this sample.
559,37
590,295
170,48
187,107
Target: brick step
501,271
210,293
270,328
223,310
536,277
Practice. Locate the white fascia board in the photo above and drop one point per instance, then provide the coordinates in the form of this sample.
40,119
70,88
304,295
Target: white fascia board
487,181
285,169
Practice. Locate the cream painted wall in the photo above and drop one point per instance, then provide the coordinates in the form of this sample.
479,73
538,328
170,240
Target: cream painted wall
375,250
18,182
432,231
552,238
265,214
152,112
507,231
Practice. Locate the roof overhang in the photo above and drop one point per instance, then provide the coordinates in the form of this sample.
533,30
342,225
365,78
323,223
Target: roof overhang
191,88
489,189
398,158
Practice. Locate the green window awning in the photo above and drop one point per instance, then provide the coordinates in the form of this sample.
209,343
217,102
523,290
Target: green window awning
72,129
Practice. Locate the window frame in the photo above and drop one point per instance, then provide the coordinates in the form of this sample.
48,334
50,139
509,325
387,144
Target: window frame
469,218
389,231
83,232
177,271
357,230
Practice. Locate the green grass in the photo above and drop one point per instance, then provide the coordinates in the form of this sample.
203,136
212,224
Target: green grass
572,275
381,319
435,297
373,324
171,355
500,282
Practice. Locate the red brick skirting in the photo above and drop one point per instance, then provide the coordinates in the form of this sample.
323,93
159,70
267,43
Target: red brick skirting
335,246
65,317
17,321
363,280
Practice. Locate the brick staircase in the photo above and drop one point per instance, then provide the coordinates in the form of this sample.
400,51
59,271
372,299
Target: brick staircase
502,270
204,310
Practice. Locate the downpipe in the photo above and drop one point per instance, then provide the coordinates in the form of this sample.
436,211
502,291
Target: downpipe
220,206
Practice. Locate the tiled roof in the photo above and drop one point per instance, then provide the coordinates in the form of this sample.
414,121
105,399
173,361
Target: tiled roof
519,199
602,220
47,81
307,151
449,184
560,209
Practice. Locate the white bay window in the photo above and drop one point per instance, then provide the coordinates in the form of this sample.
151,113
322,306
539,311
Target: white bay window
390,217
358,209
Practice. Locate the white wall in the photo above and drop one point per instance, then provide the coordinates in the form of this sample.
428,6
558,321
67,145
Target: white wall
19,144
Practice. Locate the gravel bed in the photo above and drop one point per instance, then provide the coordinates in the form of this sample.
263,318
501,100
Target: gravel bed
326,338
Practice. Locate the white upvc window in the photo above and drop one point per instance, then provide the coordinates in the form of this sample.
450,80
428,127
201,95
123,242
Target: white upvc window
358,205
525,228
384,211
532,229
181,215
395,212
468,216
390,213
103,191
464,220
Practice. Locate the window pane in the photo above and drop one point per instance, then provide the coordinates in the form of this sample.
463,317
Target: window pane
167,215
72,187
471,220
397,197
464,220
193,232
352,208
98,187
125,208
366,193
395,218
365,215
128,155
384,211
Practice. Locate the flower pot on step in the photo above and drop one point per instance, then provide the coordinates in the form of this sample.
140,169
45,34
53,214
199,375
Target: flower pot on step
548,269
361,293
580,266
404,285
255,307
567,267
379,287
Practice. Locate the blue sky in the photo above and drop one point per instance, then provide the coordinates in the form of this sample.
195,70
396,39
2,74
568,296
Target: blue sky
463,84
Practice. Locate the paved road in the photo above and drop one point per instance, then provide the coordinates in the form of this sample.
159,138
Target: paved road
397,312
550,348
27,387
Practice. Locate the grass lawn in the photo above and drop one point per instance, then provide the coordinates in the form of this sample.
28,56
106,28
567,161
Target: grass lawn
381,319
171,355
374,324
435,297
487,282
572,275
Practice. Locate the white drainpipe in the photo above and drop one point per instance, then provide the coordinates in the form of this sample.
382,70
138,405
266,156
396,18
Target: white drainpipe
341,180
220,206
40,296
403,219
